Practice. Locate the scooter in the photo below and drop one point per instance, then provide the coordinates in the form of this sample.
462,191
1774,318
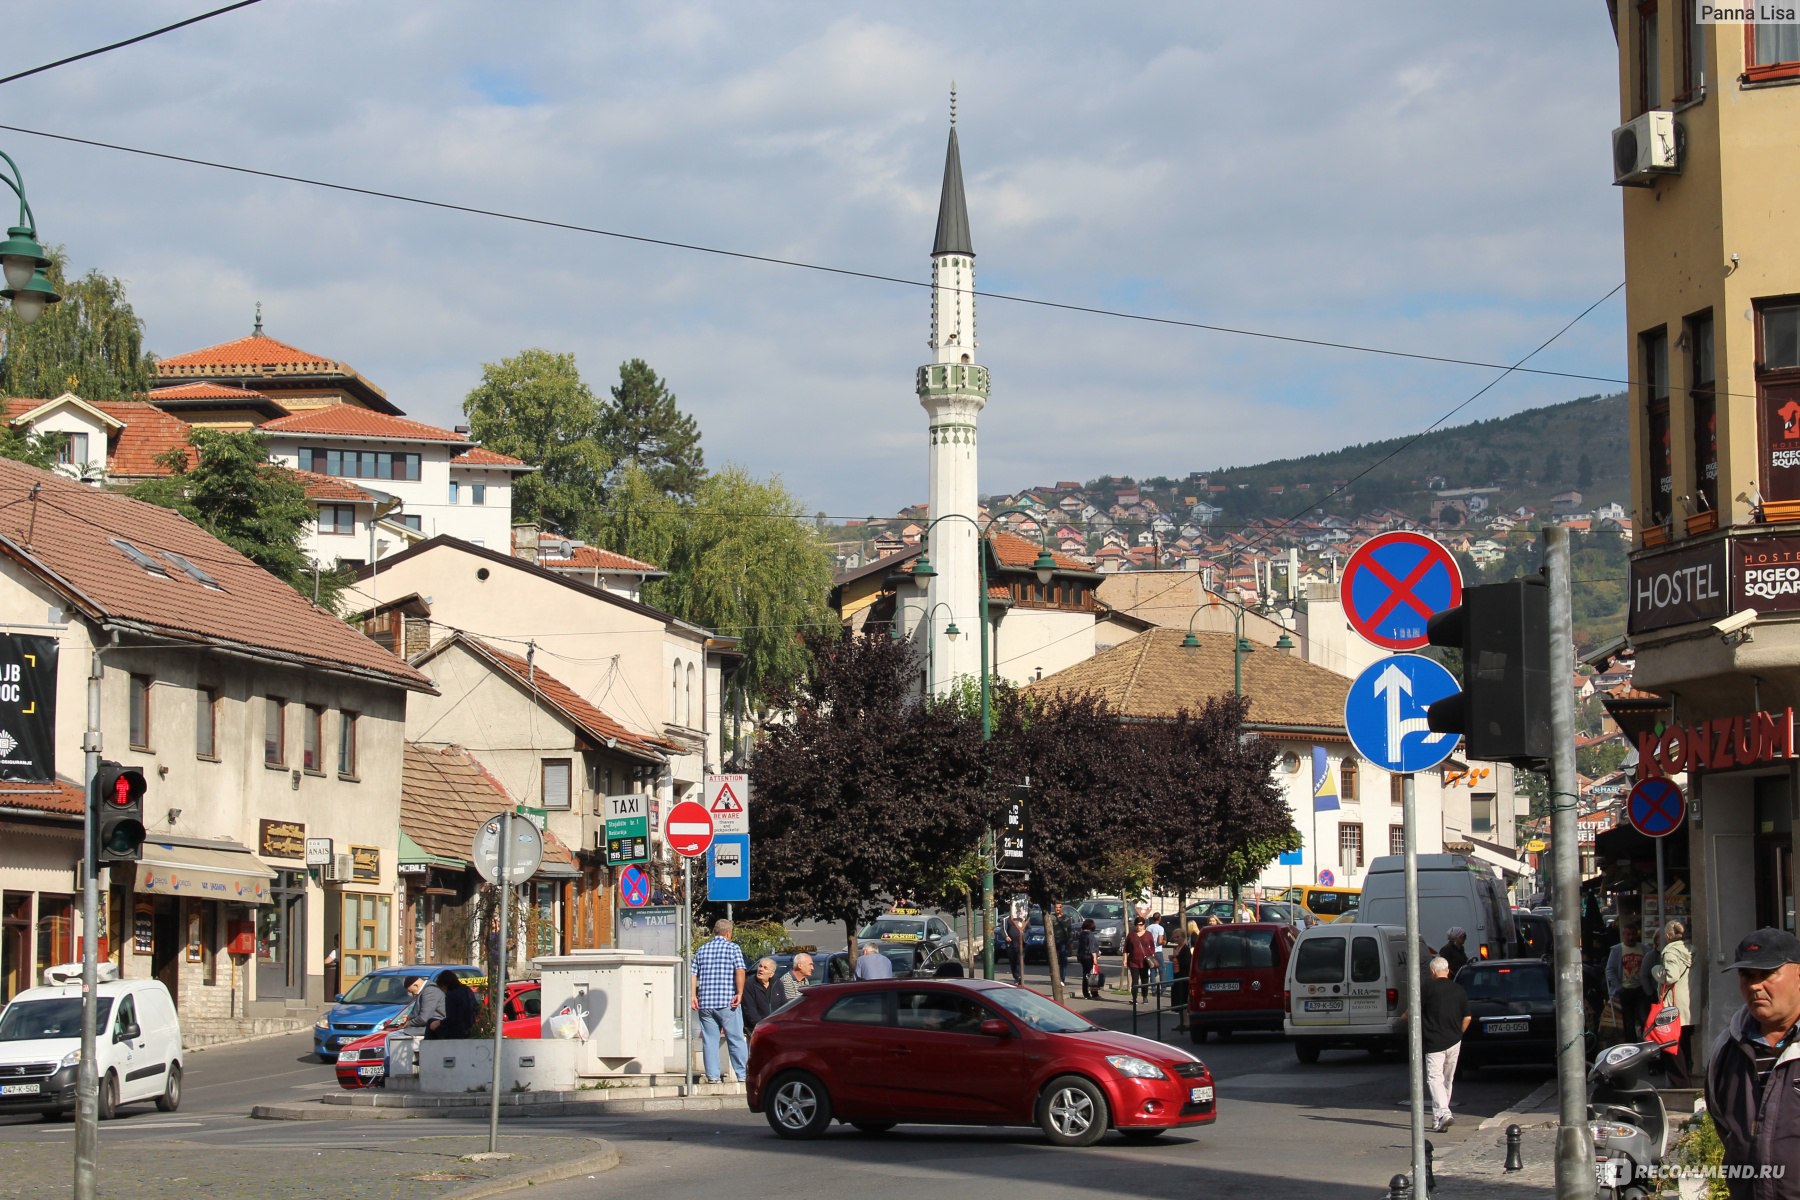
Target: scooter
1628,1120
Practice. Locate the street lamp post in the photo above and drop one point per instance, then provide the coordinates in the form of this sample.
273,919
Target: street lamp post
950,631
1241,645
21,257
923,573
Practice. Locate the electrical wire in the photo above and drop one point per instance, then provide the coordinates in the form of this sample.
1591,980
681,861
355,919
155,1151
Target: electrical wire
131,41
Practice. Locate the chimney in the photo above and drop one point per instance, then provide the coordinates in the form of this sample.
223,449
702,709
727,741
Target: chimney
525,541
463,429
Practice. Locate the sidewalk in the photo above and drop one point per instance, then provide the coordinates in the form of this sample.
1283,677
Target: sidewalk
425,1168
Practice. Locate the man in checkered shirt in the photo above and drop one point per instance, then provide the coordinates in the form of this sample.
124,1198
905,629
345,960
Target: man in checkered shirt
718,996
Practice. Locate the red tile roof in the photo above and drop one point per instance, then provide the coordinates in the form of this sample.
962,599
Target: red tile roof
204,391
60,796
445,795
348,420
257,354
481,456
1015,552
149,433
329,487
65,535
559,696
589,558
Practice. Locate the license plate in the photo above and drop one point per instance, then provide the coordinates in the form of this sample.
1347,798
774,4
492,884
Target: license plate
1322,1006
18,1089
1222,985
1200,1095
1507,1026
377,1069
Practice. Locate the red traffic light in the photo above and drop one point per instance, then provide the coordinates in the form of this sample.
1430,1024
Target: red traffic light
121,796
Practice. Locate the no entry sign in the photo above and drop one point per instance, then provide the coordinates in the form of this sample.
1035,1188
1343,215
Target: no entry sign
1394,583
689,829
1656,807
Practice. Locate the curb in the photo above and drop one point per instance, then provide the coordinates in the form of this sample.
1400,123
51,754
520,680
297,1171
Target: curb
1520,1112
319,1111
603,1159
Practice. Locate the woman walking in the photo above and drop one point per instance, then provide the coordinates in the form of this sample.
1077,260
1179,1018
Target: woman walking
1184,964
1087,952
1140,957
1671,975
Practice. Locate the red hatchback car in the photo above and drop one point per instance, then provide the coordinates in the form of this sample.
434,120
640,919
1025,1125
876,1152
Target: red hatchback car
965,1052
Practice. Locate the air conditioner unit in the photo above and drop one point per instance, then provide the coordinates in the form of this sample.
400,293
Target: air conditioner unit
1646,146
340,868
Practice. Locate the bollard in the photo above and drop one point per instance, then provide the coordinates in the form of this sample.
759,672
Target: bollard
1515,1151
1400,1188
1430,1174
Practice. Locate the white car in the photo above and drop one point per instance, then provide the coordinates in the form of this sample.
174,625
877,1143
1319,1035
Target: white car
137,1043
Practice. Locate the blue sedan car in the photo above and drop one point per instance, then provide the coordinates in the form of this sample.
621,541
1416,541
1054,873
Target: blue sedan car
376,997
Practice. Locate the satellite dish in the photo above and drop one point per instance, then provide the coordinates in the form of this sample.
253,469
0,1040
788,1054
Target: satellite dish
565,549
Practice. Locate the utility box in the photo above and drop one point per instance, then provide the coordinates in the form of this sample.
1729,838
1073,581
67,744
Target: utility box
624,1006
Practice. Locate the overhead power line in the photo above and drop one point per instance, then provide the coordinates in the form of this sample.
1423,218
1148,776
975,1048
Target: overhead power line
131,41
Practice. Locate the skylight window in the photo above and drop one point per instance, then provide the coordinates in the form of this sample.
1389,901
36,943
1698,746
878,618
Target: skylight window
192,572
150,565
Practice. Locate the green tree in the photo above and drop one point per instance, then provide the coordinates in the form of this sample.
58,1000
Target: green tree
534,406
92,343
642,428
229,488
740,560
1584,473
33,449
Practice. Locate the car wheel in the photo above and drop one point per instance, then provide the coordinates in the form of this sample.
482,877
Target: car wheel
873,1126
1306,1052
1072,1111
109,1096
1197,1034
170,1100
1142,1135
798,1106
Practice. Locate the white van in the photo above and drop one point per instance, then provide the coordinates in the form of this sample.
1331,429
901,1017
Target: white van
1454,891
1346,988
137,1039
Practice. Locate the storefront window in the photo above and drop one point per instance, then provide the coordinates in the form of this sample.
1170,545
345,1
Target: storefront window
15,945
55,931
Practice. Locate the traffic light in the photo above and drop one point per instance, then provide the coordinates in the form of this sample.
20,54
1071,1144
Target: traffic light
1503,711
118,813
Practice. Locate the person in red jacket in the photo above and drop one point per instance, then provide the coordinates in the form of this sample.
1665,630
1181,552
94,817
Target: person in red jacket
1140,956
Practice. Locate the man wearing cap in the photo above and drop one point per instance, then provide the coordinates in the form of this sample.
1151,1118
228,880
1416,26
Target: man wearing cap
1753,1081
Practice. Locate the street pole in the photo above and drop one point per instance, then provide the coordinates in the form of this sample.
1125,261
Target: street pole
692,1014
1415,1027
991,848
1574,1142
87,1077
505,885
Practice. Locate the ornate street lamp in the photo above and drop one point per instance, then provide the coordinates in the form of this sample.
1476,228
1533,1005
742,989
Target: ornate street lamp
22,259
1240,647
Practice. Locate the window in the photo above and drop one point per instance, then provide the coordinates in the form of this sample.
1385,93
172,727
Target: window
1693,53
1237,950
73,451
359,464
275,731
1481,814
1649,47
347,744
411,520
140,712
1771,51
690,697
556,783
1347,780
1653,357
1777,393
337,518
478,493
1397,789
1365,961
1319,960
312,740
1396,839
675,695
1350,846
940,1012
1705,409
868,1008
206,723
455,487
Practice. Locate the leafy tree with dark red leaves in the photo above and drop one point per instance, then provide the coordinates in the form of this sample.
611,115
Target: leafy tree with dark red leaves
864,793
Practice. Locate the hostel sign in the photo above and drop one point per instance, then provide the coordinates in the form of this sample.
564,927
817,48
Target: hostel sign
1678,587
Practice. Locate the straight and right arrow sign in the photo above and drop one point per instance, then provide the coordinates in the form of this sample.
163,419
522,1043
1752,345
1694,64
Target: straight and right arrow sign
1384,713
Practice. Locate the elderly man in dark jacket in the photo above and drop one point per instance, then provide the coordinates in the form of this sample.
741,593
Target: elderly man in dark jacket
1753,1082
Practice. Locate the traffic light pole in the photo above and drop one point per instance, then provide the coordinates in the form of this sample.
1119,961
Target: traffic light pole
1574,1142
87,1078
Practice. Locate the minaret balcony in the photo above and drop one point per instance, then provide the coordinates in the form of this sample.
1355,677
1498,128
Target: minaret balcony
953,379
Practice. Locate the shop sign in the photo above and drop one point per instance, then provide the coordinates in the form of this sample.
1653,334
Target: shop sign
1680,586
1767,573
406,869
318,852
1717,745
281,839
365,864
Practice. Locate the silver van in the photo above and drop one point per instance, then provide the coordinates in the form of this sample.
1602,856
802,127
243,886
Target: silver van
137,1042
1454,891
1346,988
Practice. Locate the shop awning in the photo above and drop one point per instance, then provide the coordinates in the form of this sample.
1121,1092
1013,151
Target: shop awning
411,853
1496,855
213,872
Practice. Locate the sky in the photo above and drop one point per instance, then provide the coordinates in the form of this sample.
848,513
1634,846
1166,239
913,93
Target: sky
1409,175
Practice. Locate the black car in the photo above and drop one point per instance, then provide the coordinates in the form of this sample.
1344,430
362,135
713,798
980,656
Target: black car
1513,1003
1534,935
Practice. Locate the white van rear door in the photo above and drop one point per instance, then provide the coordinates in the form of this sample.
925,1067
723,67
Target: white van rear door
1368,982
1320,989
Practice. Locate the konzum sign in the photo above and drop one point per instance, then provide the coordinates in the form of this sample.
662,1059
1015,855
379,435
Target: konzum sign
1717,745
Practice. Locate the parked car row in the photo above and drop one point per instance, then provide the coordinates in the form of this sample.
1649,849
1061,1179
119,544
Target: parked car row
363,1063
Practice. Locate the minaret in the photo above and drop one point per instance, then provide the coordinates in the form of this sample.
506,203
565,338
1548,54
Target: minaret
953,390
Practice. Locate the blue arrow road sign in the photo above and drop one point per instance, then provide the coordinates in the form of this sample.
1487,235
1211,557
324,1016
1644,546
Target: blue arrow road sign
1385,713
728,868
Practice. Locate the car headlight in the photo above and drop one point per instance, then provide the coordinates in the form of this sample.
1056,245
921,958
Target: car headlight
350,1056
1110,931
72,1058
322,1023
1135,1067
